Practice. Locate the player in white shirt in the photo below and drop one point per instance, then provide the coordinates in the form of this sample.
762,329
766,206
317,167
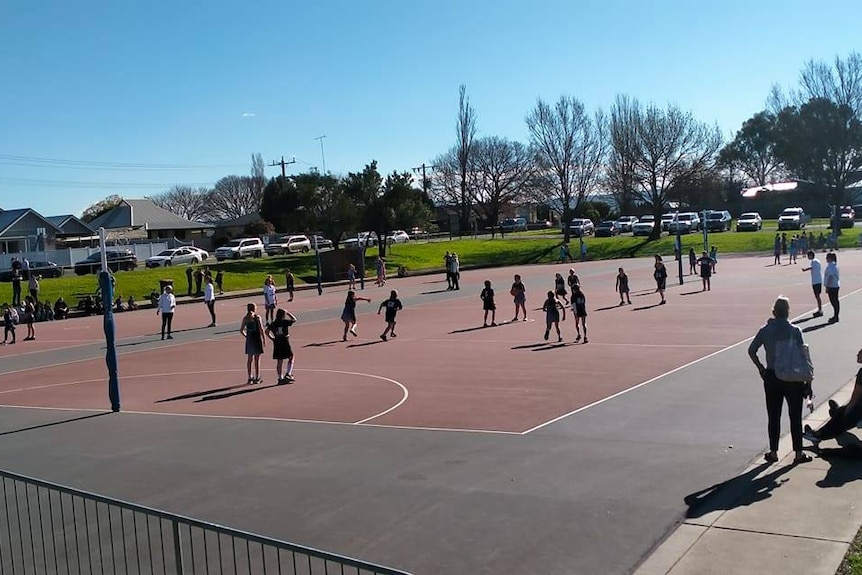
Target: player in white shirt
816,280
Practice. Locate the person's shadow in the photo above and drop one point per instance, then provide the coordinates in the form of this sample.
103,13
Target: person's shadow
844,461
739,491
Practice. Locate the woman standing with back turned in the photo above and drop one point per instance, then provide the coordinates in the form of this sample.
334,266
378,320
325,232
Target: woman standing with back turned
777,391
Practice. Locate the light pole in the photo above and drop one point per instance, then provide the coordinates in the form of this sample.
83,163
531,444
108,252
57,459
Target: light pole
322,155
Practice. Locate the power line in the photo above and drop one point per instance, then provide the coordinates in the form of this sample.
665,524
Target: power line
77,184
33,161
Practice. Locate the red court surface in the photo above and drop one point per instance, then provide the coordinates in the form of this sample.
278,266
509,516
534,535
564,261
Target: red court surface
444,371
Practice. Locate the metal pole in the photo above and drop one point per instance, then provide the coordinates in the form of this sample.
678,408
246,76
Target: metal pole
322,155
108,324
705,233
317,253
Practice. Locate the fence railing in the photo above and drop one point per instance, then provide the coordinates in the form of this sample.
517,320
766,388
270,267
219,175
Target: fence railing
50,528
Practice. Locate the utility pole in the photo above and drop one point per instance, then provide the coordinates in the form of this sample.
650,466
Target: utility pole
322,155
424,177
283,163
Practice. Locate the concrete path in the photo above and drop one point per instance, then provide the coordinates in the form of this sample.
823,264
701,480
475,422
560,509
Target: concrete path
781,518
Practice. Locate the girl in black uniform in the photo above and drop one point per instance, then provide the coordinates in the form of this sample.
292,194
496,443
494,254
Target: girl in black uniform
348,314
393,306
660,275
560,288
278,332
551,307
488,304
579,306
623,286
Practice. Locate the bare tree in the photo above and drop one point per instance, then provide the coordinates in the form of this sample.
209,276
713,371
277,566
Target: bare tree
570,145
233,197
840,83
500,170
620,173
185,201
669,150
466,131
258,175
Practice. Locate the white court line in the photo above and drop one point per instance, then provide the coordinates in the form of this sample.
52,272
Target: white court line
594,344
404,392
672,371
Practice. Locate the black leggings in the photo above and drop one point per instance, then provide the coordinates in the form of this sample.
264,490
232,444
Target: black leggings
777,392
840,420
167,319
211,308
833,299
7,330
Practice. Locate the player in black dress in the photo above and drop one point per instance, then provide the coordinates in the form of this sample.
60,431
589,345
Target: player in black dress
488,304
348,314
623,286
660,276
579,306
560,288
552,307
278,332
393,306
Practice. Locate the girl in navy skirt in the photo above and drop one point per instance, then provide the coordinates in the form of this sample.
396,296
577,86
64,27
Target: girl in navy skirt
488,304
560,288
278,332
348,314
552,307
252,331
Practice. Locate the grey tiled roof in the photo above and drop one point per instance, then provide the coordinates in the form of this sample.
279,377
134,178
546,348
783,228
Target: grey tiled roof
144,213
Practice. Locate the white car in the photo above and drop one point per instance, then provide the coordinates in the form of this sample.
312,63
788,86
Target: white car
792,219
240,248
749,222
685,223
201,252
644,226
365,239
625,223
666,219
288,245
174,257
580,227
397,237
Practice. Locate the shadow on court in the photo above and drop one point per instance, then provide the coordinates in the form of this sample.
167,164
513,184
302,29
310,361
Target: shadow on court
247,389
322,343
195,394
53,423
366,344
644,307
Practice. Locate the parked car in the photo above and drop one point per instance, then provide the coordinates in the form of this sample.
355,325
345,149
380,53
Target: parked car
607,229
666,219
174,257
847,217
240,248
397,237
201,252
749,222
581,227
117,260
685,223
644,226
718,221
417,233
364,239
540,225
513,225
792,219
625,223
288,245
43,268
320,242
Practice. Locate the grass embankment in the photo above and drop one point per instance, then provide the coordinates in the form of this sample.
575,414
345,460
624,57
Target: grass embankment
515,249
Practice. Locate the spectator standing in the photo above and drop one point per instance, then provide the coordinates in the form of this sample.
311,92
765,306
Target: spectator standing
189,273
289,283
447,261
777,392
832,283
713,255
351,277
166,307
29,317
199,280
784,243
692,261
33,285
776,250
210,299
816,280
219,279
705,263
16,286
25,268
8,324
794,247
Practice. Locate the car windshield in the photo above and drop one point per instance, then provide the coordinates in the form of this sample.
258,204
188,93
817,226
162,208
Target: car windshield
648,218
166,253
714,216
232,244
607,224
790,213
748,217
685,217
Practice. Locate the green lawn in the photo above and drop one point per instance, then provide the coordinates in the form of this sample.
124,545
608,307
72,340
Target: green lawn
515,249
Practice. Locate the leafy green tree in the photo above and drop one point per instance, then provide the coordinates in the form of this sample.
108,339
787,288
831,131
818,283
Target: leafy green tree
752,151
282,205
258,227
821,142
328,209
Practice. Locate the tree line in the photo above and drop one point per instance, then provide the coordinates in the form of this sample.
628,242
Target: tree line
645,155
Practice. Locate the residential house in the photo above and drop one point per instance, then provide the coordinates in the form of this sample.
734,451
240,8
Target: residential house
142,219
25,230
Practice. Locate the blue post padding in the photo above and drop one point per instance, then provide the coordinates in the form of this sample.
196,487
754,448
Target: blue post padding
110,344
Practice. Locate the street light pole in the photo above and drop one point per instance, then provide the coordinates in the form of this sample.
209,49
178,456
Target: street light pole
322,155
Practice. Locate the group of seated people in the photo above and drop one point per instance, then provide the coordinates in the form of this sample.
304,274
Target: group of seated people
130,304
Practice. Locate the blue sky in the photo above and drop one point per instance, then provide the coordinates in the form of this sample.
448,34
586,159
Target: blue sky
203,85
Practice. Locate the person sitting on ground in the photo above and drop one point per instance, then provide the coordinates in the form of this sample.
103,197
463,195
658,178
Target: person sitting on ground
118,304
841,417
61,309
131,304
402,272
